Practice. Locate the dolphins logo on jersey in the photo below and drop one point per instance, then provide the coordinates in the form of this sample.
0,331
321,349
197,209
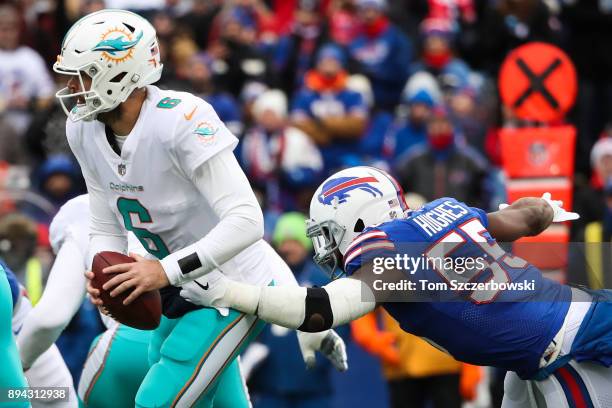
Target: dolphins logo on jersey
206,132
340,187
118,48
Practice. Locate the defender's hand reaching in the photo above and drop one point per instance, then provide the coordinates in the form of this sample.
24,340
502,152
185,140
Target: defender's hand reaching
559,214
327,343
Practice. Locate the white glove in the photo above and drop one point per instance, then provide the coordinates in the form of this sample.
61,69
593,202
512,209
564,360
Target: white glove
208,291
559,214
327,343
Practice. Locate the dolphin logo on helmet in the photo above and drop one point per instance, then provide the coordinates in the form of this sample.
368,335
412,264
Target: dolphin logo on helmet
118,44
341,186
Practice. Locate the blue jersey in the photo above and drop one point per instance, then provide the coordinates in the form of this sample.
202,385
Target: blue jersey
311,104
505,328
385,60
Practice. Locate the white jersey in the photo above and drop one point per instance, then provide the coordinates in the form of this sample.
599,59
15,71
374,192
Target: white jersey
149,186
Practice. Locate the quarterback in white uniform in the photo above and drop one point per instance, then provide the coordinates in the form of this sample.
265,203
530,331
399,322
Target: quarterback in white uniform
160,164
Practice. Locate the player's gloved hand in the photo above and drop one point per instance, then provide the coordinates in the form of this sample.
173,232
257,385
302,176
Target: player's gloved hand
207,291
559,214
327,343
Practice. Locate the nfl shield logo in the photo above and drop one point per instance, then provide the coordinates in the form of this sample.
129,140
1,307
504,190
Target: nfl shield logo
121,169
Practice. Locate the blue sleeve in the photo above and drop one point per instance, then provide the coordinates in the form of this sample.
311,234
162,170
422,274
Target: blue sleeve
370,244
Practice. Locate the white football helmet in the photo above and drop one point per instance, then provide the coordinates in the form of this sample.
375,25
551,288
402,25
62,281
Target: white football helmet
344,205
118,50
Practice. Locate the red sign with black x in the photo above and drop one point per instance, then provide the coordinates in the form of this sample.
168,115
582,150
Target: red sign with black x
537,81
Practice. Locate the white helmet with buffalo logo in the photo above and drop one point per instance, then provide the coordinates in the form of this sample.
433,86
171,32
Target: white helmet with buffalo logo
118,50
344,205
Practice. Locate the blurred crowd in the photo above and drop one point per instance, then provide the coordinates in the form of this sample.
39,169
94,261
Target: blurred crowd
310,87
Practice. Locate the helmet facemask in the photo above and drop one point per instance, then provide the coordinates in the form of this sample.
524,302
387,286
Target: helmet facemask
345,205
326,237
69,101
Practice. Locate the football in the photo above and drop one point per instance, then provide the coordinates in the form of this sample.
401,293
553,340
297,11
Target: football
143,313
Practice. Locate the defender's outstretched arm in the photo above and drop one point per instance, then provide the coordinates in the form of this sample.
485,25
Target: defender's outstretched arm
305,309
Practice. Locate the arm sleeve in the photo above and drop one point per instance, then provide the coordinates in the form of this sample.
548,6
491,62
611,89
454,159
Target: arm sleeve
306,309
55,309
224,185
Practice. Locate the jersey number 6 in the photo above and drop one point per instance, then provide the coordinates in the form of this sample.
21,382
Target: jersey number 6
150,241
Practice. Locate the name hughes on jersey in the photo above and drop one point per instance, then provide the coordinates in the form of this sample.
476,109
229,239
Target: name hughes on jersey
439,217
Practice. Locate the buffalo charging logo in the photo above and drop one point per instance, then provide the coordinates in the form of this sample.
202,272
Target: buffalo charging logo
117,45
342,186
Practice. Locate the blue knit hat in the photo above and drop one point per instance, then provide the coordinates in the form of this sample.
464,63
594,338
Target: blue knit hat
333,51
422,96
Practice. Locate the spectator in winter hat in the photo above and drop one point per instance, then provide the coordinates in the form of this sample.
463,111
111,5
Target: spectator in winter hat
327,110
407,127
440,167
201,79
589,195
280,160
237,58
438,55
295,52
382,52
